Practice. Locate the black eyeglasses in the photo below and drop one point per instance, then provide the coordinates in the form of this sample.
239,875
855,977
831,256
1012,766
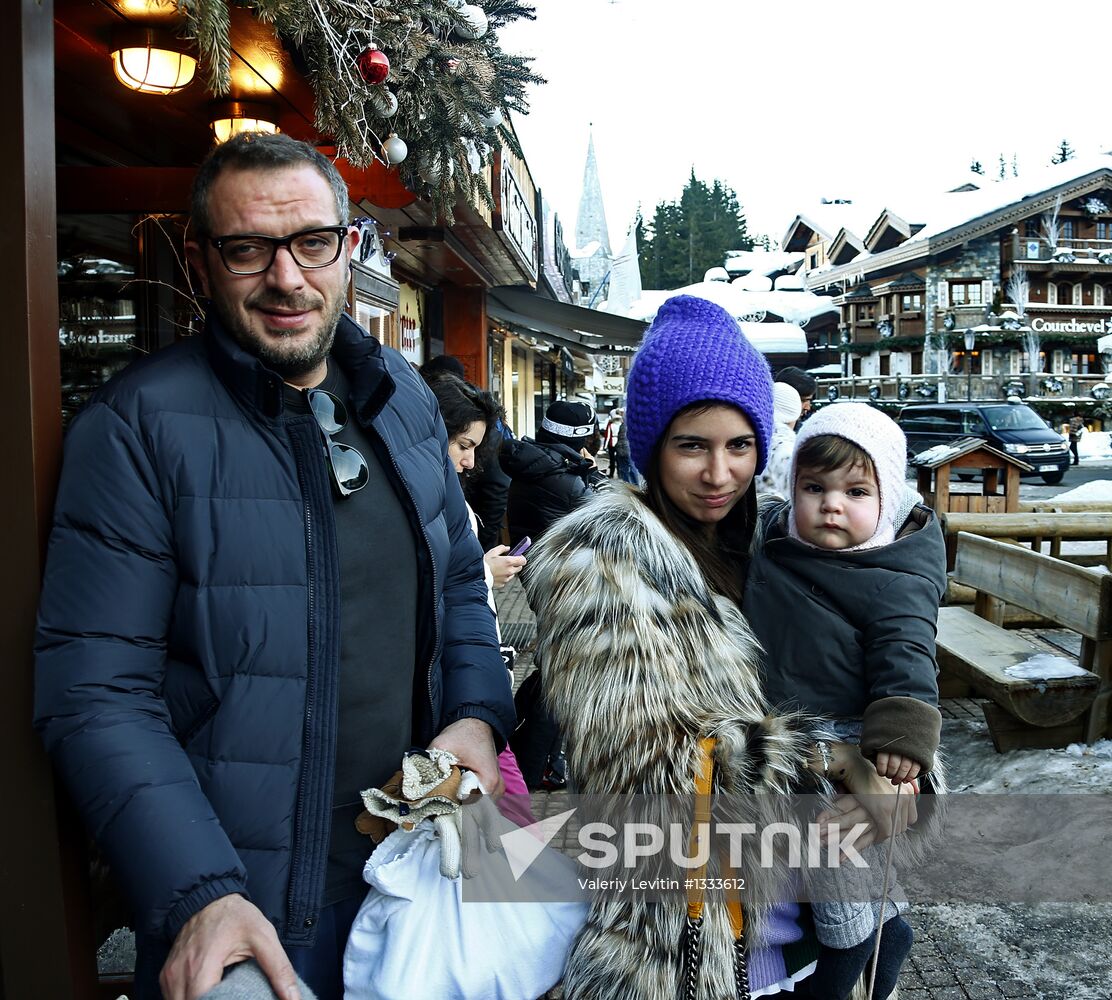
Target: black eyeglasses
350,472
252,253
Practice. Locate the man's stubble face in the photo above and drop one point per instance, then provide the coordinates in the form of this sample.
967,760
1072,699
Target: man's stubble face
286,316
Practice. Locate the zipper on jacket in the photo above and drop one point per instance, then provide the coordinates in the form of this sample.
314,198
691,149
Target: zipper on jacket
310,694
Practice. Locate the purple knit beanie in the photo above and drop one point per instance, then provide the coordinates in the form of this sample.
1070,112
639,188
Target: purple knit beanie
693,351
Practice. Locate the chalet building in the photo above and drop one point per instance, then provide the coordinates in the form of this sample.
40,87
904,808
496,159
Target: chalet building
1021,269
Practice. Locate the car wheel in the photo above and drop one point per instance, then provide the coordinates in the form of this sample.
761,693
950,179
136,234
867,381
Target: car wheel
1052,478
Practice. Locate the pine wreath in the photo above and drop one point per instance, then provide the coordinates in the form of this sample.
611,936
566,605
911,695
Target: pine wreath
450,89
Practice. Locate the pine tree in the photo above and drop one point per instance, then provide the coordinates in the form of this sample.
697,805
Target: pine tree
688,237
1003,167
1065,152
977,167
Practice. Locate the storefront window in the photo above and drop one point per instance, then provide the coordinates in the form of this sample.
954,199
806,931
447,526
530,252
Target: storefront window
544,387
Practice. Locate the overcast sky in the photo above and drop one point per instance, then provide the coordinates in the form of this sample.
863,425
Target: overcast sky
792,102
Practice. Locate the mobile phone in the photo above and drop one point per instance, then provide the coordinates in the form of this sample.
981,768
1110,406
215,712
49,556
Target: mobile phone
520,547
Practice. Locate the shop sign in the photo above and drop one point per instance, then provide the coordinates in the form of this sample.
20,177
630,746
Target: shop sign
613,385
1097,327
513,217
409,326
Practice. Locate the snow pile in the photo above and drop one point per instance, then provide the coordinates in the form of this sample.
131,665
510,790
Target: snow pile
1095,444
1045,667
939,453
1098,489
1102,749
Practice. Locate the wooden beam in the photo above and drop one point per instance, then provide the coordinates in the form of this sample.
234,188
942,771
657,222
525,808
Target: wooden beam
124,189
45,944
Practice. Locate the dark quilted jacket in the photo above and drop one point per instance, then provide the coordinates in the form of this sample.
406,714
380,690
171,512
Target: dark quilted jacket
547,482
189,627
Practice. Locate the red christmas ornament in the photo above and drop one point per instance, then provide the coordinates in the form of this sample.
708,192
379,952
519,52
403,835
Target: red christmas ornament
373,65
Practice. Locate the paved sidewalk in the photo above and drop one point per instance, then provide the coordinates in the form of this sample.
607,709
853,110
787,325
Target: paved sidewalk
944,964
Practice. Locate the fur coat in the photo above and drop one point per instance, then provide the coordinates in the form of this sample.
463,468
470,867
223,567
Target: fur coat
640,660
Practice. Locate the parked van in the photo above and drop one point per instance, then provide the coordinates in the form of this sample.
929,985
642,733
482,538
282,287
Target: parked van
1010,427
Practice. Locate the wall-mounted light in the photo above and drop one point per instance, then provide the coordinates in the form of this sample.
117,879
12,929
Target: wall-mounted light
151,60
230,118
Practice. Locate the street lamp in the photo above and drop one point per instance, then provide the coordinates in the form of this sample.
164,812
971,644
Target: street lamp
970,342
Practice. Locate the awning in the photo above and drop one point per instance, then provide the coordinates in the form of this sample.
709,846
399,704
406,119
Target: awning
567,325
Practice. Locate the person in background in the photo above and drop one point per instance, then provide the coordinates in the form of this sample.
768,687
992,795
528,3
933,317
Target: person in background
1076,429
553,473
802,383
261,590
843,595
551,476
610,441
486,486
470,415
626,472
786,409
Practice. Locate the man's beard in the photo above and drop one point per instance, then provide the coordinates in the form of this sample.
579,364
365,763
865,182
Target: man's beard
278,357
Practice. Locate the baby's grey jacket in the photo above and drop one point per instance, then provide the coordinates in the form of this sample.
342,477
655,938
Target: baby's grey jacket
852,634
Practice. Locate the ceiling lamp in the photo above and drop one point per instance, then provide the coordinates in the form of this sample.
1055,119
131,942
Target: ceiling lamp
151,60
233,117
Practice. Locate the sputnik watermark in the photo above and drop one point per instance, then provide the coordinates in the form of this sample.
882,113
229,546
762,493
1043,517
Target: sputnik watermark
826,845
605,846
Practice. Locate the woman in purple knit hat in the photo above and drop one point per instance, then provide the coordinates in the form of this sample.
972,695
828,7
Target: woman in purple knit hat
646,657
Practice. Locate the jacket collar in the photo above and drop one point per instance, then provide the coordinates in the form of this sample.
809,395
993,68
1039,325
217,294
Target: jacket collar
259,389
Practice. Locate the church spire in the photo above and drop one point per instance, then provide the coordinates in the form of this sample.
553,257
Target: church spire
590,223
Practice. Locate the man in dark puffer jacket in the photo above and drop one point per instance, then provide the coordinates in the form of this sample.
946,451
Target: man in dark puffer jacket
259,594
550,476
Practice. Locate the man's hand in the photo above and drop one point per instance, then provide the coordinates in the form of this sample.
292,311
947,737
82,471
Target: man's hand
227,931
472,742
897,767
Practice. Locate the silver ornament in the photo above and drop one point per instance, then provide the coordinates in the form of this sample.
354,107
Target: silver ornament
394,149
492,119
475,21
386,103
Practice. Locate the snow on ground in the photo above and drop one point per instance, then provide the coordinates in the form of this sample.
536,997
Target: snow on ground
974,766
1062,950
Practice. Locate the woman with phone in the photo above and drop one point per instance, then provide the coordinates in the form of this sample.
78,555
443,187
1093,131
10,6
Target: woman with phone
469,413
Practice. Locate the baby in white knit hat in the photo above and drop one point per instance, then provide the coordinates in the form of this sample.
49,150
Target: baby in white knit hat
843,593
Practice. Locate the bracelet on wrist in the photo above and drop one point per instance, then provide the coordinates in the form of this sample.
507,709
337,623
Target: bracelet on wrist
823,748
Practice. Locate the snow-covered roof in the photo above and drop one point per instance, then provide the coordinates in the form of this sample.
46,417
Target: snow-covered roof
948,210
775,338
797,308
827,219
578,253
761,261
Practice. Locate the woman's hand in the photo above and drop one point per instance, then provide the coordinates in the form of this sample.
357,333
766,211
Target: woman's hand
886,809
502,567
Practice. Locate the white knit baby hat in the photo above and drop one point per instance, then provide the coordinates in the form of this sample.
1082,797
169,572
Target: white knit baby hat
880,437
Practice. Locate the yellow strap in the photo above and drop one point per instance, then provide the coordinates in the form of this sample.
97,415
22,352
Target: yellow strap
704,777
